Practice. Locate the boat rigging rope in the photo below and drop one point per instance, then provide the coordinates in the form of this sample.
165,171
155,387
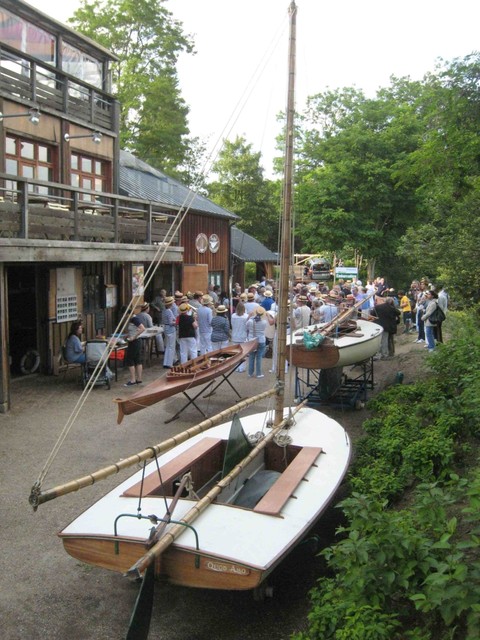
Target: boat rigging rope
163,247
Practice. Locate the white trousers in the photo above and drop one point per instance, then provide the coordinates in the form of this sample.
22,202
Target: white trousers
188,349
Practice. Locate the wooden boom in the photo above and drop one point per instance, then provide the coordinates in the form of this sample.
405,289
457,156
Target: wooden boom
38,497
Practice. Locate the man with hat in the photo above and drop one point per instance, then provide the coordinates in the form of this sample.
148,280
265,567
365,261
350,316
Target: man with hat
169,333
267,301
250,305
133,356
329,310
187,325
204,319
220,328
301,315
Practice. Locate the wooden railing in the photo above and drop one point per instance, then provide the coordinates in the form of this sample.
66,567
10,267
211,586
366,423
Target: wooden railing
33,210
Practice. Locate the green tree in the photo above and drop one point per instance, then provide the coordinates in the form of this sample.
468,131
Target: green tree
147,40
349,195
448,166
242,189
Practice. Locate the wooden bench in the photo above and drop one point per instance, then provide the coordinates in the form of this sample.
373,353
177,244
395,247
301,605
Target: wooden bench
273,501
171,471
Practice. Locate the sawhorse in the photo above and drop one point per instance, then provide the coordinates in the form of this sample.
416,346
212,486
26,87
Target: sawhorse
224,378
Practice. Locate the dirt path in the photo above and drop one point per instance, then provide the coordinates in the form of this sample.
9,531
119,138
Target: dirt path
46,594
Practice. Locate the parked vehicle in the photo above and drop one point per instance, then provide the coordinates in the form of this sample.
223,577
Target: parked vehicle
320,269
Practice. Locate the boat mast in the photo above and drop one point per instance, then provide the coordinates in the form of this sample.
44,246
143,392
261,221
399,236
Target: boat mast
286,227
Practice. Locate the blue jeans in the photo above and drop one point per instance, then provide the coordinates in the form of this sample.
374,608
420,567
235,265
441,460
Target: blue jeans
429,332
255,360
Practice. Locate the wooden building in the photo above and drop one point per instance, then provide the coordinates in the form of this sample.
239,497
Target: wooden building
76,239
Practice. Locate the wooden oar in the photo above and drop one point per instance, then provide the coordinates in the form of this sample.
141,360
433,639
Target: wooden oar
170,536
38,497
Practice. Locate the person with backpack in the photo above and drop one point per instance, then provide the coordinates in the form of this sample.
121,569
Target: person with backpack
427,317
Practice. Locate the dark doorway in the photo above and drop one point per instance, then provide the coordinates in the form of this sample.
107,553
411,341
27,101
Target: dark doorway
22,315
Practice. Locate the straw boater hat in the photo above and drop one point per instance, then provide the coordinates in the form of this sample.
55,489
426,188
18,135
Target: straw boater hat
243,296
184,299
251,296
198,294
221,309
168,300
145,306
259,311
302,299
184,307
268,293
178,294
206,299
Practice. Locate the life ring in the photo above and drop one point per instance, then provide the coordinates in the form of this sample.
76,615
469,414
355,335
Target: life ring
30,362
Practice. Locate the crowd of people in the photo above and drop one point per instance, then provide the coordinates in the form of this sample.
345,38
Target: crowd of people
198,323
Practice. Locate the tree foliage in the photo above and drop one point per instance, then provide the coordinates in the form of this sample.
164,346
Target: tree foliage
147,40
241,188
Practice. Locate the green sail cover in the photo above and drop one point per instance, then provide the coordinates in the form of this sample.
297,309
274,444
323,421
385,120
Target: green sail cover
238,446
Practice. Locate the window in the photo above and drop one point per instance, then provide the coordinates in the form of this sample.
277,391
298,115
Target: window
29,159
89,173
82,66
93,293
27,37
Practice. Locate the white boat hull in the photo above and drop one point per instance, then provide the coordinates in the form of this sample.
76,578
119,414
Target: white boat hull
338,351
238,546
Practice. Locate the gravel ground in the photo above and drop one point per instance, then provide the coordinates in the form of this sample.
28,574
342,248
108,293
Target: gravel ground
46,594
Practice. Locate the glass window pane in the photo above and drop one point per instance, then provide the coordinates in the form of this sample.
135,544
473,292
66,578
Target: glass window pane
27,171
98,168
74,161
87,165
98,184
43,173
87,183
44,154
75,180
10,146
11,166
26,150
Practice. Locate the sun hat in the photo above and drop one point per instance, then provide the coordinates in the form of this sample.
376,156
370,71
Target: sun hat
302,299
268,293
168,300
184,307
178,294
259,311
206,299
198,294
243,296
145,306
251,296
221,309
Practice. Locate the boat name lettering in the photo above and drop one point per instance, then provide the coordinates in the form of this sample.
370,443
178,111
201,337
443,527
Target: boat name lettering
226,568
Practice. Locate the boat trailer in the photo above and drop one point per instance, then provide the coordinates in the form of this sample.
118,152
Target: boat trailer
334,388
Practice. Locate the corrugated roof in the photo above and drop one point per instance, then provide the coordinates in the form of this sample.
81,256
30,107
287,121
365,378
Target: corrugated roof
139,180
247,249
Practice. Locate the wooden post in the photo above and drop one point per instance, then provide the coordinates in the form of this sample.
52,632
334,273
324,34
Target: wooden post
4,359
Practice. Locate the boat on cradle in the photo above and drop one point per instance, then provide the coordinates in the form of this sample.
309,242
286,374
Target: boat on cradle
182,377
276,495
348,343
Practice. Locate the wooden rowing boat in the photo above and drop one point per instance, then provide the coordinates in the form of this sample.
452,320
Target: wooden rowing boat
351,342
185,376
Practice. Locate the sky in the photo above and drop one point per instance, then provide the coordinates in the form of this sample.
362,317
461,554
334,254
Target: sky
236,83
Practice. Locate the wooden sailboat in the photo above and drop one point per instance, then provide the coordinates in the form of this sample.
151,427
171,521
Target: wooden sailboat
227,504
180,378
350,343
343,341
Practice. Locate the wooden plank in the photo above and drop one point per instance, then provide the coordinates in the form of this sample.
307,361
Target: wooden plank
173,469
276,497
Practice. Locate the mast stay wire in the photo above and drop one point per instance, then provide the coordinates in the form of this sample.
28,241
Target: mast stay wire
163,247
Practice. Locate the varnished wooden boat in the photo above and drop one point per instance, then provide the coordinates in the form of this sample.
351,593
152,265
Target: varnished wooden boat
253,520
350,342
185,376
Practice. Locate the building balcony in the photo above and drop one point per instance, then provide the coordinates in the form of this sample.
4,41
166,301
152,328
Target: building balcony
48,217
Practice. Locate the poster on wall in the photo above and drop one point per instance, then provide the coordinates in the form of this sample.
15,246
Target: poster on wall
110,296
137,280
67,310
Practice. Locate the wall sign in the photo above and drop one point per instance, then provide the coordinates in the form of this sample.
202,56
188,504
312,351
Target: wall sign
201,243
67,310
214,243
